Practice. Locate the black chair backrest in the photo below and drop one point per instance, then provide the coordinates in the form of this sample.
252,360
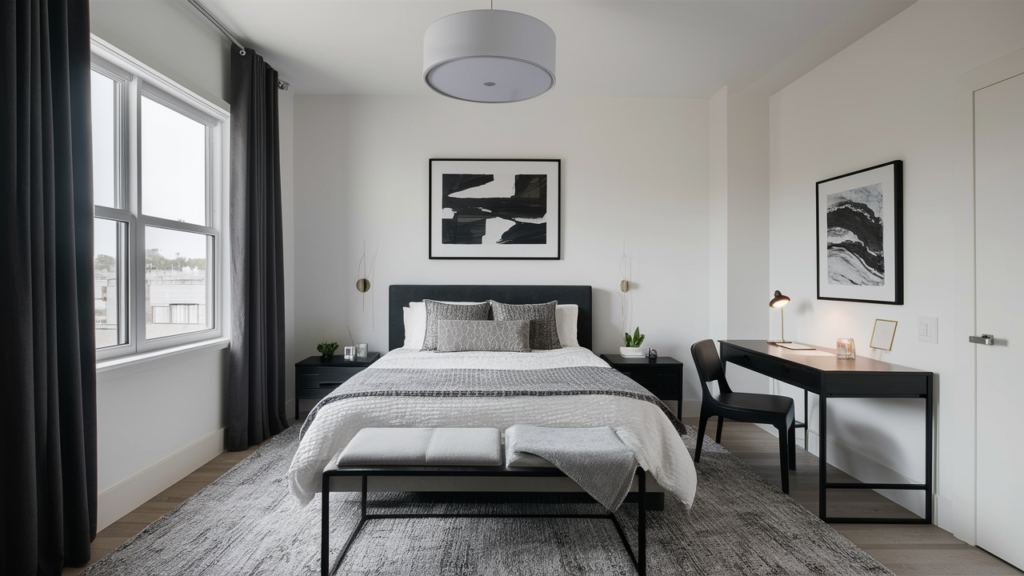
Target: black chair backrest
709,367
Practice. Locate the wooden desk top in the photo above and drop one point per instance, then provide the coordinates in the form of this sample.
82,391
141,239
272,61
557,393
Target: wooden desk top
821,358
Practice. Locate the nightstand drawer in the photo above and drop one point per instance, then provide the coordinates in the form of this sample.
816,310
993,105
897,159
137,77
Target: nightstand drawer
307,381
666,391
650,378
337,375
315,377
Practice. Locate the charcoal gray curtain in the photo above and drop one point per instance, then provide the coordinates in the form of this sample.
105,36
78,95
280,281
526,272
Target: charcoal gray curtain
47,343
256,374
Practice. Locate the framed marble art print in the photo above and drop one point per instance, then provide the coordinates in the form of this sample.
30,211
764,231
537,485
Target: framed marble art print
860,235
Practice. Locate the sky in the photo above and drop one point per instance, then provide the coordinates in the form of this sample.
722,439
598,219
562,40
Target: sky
172,166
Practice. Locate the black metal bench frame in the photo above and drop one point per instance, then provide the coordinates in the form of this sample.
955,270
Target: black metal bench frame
639,559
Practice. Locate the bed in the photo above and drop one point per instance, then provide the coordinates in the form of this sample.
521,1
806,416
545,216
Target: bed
566,387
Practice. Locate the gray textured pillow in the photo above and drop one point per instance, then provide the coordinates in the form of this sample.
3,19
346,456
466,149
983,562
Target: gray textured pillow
483,335
543,330
437,311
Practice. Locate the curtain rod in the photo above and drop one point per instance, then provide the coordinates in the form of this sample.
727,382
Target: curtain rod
281,84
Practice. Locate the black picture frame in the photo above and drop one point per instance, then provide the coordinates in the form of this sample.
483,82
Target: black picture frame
864,261
524,239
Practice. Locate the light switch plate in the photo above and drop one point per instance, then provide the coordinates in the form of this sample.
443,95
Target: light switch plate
928,329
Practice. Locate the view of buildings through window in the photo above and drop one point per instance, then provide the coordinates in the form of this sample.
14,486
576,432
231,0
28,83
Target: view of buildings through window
154,239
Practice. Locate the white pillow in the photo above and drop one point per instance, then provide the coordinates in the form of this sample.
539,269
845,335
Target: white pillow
415,325
566,316
415,316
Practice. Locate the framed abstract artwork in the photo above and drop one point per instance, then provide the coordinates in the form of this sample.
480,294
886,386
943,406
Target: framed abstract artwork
860,235
495,209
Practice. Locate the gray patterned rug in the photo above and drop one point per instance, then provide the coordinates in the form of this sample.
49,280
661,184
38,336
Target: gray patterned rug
246,522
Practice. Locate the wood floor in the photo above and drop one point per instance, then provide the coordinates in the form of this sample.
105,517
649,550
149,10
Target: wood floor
906,550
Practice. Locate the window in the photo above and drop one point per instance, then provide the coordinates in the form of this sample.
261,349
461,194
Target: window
158,152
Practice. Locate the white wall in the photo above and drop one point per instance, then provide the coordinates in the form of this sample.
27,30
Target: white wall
884,98
632,170
718,217
738,274
286,119
157,421
172,38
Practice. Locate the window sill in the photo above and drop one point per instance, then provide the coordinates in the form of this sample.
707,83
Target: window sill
145,360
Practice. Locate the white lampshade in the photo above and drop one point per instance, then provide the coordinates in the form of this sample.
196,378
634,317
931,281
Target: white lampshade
489,56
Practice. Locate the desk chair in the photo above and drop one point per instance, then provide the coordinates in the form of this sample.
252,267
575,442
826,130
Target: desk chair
758,408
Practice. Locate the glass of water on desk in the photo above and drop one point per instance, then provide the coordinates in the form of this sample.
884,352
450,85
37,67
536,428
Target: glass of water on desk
845,349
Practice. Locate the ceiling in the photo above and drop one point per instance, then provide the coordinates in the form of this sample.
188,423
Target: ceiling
612,49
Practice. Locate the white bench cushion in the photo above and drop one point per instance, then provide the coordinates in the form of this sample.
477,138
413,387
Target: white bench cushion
424,447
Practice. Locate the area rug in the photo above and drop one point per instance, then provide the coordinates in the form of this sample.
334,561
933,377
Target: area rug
246,522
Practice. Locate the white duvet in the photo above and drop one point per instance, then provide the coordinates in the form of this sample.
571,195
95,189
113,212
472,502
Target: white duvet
641,425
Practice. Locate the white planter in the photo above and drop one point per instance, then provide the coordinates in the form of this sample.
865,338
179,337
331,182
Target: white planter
632,352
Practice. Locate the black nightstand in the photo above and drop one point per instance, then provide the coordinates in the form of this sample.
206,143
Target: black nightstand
315,379
664,377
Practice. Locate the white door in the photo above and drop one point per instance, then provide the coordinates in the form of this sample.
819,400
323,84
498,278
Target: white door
999,197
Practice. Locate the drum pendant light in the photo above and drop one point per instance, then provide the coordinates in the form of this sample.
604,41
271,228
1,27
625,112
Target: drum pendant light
489,56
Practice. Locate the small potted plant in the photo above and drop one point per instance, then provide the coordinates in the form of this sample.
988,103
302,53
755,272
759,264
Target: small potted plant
326,350
632,347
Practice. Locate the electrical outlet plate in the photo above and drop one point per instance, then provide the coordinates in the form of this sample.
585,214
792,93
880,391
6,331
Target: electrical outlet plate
928,329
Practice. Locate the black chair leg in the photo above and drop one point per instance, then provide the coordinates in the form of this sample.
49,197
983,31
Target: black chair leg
718,435
784,458
792,448
701,428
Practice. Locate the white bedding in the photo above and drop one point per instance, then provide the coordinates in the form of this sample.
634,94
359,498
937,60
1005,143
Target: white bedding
641,425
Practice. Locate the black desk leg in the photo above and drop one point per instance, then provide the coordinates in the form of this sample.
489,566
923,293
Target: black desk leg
928,405
822,460
807,424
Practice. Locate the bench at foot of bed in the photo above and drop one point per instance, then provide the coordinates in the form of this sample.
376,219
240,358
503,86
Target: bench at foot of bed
455,452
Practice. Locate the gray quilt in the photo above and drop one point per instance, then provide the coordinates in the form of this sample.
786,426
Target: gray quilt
460,382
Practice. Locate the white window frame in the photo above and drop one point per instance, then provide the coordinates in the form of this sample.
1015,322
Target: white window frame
136,80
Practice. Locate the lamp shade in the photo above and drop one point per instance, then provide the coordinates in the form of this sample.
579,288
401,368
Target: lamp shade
489,56
779,301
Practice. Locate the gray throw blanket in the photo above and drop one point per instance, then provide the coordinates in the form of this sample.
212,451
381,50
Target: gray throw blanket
456,382
594,457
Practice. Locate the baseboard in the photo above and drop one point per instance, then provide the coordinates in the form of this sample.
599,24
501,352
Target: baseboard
943,512
863,468
132,492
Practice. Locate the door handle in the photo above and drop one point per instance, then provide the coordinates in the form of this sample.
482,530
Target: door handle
986,339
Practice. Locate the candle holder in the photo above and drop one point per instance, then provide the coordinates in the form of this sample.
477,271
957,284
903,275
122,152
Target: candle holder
361,350
845,349
350,353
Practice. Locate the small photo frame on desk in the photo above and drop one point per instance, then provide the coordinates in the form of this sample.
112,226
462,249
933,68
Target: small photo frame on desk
883,334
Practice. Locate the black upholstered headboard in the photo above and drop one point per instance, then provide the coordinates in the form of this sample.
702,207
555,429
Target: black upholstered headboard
400,295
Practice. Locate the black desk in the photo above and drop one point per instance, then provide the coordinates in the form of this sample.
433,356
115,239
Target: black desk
829,377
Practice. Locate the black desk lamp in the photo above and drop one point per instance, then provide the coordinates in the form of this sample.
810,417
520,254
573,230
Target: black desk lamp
779,301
